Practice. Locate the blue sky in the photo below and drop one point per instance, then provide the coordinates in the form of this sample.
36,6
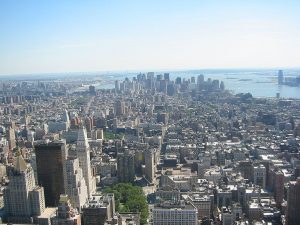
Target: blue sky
46,36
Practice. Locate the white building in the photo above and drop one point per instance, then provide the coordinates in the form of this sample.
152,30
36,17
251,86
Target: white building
175,214
75,186
23,200
83,154
66,119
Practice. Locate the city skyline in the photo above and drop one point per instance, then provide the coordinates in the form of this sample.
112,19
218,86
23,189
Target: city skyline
59,37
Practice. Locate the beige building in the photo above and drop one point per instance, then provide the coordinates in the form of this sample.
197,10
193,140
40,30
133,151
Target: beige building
83,155
23,200
75,186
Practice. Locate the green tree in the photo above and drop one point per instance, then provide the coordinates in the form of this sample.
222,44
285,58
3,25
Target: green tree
130,198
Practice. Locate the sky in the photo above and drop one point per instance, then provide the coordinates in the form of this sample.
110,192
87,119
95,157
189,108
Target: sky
54,36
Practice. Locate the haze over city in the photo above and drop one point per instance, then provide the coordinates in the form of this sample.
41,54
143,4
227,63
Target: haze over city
82,36
149,112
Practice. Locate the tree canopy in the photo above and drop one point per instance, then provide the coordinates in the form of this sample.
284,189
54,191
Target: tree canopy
129,198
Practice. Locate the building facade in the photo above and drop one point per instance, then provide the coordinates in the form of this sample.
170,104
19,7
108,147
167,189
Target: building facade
23,200
50,159
293,200
75,185
83,155
175,214
125,163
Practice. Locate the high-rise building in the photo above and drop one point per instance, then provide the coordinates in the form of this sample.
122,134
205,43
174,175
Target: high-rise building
11,137
50,159
117,86
280,77
278,187
66,119
23,200
75,186
88,123
200,80
119,108
83,155
193,80
125,163
149,164
150,75
66,214
293,199
166,76
178,80
92,90
159,77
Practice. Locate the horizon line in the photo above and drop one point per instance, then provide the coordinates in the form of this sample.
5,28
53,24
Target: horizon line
150,70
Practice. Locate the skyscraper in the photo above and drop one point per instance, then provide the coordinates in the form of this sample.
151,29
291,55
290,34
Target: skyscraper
11,137
50,159
125,163
117,86
23,200
166,76
149,164
293,199
83,154
66,119
280,77
119,108
278,187
75,185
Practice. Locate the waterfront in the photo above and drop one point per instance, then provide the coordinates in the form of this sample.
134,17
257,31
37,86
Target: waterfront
260,83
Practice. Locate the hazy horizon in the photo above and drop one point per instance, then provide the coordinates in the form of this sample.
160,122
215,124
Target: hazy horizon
46,37
157,71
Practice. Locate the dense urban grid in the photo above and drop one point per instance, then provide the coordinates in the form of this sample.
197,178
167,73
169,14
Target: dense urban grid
151,150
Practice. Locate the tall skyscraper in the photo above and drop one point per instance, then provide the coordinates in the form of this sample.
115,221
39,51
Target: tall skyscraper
50,159
83,154
23,200
278,187
117,86
125,164
11,137
92,90
88,124
75,185
280,77
166,76
119,108
178,80
293,199
200,81
149,164
66,118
